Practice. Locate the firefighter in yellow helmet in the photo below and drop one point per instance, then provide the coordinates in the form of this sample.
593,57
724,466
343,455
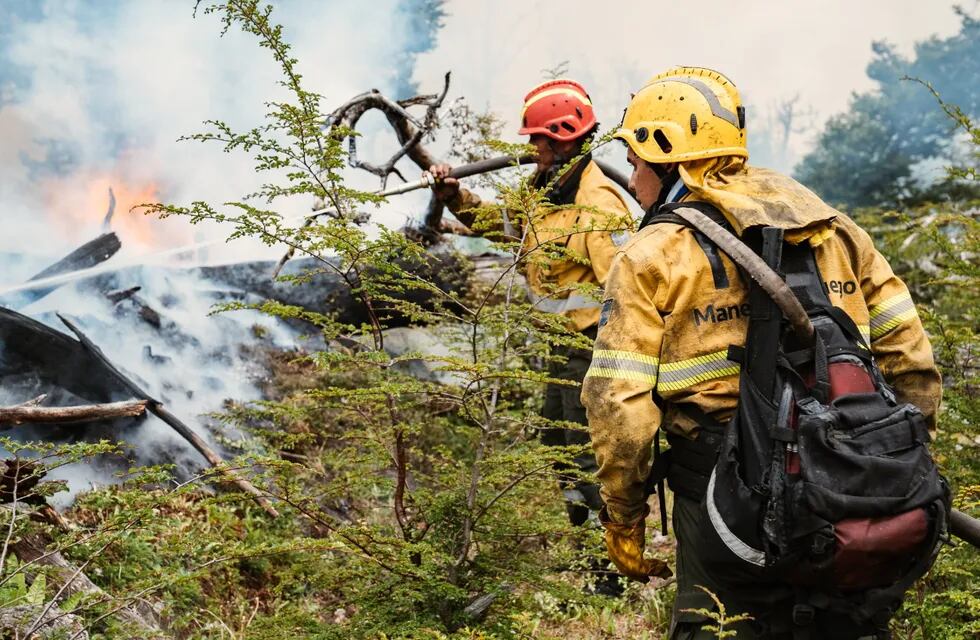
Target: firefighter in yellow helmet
674,305
569,244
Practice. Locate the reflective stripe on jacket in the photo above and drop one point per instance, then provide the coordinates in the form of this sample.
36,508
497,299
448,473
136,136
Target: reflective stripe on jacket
667,328
569,248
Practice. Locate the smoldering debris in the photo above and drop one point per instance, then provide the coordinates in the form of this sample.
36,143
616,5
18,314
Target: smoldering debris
147,334
64,389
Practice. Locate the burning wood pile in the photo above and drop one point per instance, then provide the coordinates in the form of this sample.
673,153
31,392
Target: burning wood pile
36,355
57,381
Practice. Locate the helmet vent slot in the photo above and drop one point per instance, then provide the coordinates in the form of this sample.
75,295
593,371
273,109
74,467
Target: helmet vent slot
568,127
662,141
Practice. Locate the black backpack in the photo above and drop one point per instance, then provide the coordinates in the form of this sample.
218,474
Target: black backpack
821,486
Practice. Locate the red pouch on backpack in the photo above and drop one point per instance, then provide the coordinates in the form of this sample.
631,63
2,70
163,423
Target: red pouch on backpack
873,552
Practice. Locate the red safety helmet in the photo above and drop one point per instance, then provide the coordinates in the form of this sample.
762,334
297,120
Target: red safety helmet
559,109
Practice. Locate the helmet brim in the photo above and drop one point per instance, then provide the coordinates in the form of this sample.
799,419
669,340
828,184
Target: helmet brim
562,135
643,151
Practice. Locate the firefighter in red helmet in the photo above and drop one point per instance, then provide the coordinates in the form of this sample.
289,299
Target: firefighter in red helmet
570,243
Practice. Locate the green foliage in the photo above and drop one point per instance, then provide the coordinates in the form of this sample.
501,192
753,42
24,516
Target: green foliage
719,617
15,589
934,249
865,157
403,500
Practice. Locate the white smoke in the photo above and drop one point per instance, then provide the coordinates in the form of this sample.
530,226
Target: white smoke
771,50
94,95
192,364
110,88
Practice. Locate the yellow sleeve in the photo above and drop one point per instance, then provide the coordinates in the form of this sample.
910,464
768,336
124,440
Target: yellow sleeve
898,339
613,223
617,389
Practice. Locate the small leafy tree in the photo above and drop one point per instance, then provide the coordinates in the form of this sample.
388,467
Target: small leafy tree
412,501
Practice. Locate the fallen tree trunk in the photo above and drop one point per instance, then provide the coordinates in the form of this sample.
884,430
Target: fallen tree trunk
21,414
156,408
39,622
67,579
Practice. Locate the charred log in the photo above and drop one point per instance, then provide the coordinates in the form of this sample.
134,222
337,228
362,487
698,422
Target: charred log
115,297
127,300
88,255
54,361
21,414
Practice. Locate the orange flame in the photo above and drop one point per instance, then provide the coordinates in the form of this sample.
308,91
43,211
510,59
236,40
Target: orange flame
77,205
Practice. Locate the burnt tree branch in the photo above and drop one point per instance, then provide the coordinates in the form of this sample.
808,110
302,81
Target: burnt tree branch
21,414
88,255
409,129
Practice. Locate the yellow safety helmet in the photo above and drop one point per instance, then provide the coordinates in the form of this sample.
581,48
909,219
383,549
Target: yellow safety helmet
685,114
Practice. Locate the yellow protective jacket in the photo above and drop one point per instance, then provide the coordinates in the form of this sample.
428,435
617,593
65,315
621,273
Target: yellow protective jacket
666,328
570,244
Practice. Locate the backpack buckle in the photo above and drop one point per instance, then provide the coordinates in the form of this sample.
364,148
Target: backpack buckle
803,615
809,405
822,543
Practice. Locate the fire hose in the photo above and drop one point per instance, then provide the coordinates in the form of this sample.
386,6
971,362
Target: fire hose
494,164
462,171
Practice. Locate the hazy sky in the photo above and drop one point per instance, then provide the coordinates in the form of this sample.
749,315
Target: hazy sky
772,49
95,93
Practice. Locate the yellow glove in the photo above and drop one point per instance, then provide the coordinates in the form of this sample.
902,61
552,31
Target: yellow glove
625,542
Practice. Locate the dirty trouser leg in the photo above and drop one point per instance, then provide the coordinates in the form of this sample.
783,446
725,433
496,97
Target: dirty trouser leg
562,402
691,574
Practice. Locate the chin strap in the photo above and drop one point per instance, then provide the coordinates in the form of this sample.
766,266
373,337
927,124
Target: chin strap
561,159
667,181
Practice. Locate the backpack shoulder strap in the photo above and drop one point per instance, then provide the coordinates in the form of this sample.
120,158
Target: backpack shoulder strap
767,278
803,276
665,215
